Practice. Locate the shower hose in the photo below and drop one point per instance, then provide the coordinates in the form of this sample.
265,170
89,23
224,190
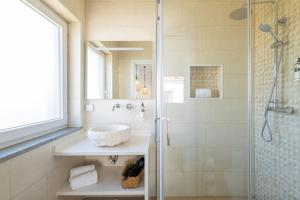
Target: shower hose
266,124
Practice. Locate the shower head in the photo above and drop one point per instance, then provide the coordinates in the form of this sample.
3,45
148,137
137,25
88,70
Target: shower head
239,14
267,29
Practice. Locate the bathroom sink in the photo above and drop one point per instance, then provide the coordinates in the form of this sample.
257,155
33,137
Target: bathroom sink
109,135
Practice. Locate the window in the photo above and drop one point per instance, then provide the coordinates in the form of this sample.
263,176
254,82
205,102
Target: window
32,71
95,74
173,89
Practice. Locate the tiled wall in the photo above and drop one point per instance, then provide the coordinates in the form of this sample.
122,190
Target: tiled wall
207,155
35,175
277,164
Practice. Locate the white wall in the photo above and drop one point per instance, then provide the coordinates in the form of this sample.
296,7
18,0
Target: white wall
116,20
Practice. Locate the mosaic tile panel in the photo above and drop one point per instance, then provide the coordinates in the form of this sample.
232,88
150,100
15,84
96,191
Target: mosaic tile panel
208,77
277,164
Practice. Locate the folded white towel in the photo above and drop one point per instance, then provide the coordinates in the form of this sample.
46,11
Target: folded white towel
203,93
83,180
80,170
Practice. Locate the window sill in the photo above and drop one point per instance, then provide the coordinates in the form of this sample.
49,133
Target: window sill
18,149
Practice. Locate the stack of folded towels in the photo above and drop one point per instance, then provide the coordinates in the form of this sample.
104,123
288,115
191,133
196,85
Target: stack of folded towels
203,93
83,176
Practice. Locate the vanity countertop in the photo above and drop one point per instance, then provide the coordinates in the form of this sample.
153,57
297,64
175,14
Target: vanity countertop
81,146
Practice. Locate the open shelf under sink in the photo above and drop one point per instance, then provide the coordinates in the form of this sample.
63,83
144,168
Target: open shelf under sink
109,184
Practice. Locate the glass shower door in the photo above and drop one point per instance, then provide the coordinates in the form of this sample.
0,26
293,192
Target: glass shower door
203,109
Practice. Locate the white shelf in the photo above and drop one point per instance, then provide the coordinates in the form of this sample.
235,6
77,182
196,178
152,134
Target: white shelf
108,185
81,146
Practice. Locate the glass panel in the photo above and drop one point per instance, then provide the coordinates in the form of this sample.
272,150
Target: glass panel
30,68
174,89
207,152
95,75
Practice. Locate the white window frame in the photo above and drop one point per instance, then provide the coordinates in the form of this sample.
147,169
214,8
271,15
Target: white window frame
99,53
16,135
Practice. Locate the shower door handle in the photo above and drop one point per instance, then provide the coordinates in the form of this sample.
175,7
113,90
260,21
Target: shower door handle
156,138
156,121
168,130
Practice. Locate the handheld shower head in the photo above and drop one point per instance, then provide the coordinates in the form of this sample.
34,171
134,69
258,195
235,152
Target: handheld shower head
267,29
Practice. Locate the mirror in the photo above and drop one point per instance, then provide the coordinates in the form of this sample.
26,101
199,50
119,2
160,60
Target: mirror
120,70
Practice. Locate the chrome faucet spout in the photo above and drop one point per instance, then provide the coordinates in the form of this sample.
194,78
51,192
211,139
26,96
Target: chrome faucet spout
129,106
116,106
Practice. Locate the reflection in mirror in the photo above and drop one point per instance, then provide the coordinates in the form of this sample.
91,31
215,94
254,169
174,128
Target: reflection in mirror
119,70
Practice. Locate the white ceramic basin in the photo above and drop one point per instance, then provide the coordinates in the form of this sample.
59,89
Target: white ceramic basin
109,135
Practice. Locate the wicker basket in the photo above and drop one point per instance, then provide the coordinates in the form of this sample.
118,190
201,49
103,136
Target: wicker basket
131,182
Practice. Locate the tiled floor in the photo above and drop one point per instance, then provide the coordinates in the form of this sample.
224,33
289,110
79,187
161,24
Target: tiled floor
174,198
206,198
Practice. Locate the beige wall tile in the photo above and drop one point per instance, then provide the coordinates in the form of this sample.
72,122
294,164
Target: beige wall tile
38,191
192,159
183,184
235,86
4,180
225,135
29,172
56,179
173,159
224,183
224,159
28,168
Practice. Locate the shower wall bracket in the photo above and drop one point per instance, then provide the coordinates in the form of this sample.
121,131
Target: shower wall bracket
287,110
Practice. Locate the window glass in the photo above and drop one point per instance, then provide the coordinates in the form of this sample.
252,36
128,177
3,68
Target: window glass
30,67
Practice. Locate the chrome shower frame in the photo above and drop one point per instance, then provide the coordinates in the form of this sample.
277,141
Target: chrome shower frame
272,103
276,22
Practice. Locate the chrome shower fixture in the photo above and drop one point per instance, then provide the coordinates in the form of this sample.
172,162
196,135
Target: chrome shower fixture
271,104
267,29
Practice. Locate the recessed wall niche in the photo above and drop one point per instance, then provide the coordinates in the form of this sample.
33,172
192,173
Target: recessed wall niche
206,81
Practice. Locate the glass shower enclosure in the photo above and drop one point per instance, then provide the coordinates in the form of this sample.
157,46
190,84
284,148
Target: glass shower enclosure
202,101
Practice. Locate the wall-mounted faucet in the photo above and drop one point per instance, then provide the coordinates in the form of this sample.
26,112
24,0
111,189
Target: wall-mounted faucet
116,106
129,106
